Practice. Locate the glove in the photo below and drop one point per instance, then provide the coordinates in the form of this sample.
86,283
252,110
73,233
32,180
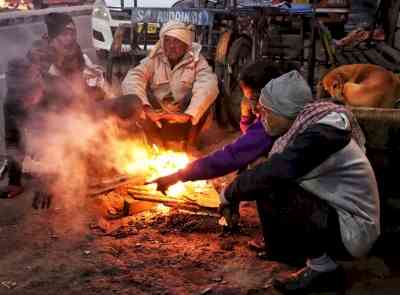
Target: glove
41,200
163,183
229,211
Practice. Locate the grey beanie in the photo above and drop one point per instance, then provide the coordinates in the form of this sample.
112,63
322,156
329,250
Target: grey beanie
286,95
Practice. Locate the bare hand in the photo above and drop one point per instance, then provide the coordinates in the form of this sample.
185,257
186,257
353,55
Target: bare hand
154,116
163,183
177,117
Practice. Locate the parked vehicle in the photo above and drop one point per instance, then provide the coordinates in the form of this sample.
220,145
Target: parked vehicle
109,14
231,32
39,4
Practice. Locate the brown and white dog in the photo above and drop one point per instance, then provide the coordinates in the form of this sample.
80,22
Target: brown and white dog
362,85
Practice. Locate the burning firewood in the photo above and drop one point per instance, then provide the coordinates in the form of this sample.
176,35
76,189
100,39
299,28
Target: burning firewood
175,203
110,184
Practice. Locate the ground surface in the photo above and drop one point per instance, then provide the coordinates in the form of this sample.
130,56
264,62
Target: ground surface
74,251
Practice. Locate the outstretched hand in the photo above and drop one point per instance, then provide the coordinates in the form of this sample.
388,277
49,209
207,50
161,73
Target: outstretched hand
163,183
179,118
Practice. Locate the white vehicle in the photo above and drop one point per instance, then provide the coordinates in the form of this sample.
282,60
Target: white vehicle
107,15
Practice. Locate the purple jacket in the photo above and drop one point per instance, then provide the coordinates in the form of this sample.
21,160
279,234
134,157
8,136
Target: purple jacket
254,143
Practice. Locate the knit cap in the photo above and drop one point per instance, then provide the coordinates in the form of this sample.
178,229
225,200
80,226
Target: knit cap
286,95
56,23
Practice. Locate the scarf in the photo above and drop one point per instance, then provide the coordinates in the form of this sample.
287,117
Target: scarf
311,114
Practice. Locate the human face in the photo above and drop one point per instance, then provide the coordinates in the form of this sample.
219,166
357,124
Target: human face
174,49
66,41
275,125
251,95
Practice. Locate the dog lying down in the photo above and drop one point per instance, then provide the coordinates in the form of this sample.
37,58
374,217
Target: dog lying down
361,85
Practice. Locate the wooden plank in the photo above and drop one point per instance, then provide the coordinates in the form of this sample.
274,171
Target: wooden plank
349,56
377,59
176,204
360,56
390,51
204,196
341,59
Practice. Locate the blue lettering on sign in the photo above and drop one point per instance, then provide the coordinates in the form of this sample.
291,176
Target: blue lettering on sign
199,17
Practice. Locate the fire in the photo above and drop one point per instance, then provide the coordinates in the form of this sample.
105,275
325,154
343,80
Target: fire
152,162
16,4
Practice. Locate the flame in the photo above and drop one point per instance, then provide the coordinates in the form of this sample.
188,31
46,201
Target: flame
152,162
162,209
10,4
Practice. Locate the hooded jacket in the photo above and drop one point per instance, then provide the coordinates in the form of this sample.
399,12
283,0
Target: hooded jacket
192,75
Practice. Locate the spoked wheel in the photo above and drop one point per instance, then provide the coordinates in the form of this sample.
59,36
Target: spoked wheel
239,55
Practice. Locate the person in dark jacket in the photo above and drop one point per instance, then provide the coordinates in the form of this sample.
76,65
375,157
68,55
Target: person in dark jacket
316,191
316,194
60,58
25,92
28,101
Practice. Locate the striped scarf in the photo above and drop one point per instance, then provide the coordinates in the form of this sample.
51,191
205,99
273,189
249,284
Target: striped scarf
311,114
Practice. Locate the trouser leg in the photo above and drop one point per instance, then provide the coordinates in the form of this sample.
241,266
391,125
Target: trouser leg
297,223
195,130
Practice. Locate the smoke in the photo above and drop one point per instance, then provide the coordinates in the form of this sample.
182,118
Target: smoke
72,148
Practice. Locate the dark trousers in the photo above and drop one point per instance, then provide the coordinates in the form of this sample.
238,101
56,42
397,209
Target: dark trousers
13,119
185,132
296,223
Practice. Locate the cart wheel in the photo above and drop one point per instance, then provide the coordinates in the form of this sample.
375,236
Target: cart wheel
239,55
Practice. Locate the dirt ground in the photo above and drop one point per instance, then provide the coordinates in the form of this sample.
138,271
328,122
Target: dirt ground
73,251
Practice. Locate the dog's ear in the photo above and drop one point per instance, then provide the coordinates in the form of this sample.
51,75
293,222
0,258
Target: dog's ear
337,85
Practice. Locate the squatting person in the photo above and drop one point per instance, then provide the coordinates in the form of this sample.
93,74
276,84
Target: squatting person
176,85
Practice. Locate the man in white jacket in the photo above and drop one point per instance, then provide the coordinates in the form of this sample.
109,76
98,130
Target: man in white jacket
175,84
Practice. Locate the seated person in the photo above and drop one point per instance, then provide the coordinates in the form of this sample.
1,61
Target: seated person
27,103
317,189
252,78
176,85
60,58
25,92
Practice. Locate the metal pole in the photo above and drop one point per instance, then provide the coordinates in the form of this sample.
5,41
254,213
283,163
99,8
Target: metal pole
311,53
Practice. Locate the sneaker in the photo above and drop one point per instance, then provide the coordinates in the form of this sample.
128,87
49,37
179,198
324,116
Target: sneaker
308,280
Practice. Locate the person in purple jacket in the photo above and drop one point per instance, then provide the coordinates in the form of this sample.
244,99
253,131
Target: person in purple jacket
252,144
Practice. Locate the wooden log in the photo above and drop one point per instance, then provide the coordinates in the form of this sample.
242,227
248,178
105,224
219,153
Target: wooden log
108,186
174,203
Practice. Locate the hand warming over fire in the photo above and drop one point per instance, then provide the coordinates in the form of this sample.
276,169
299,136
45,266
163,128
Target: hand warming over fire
154,116
177,117
163,183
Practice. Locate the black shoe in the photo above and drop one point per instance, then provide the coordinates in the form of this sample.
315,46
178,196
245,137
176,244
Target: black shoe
307,280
